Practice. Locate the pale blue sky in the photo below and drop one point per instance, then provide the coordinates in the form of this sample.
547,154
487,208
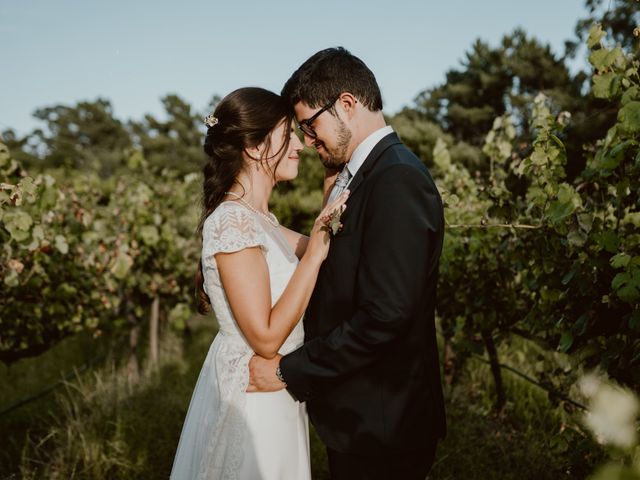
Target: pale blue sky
133,52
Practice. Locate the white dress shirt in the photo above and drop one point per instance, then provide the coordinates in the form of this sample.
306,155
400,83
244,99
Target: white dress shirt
363,150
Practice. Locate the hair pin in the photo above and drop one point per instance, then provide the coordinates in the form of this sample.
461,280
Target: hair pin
210,120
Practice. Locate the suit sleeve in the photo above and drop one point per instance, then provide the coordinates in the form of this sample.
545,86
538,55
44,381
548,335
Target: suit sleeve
402,219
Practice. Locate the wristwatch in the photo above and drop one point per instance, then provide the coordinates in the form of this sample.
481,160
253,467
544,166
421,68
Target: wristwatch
279,375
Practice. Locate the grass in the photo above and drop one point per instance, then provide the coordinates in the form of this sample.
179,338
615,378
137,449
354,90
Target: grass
525,441
100,427
532,438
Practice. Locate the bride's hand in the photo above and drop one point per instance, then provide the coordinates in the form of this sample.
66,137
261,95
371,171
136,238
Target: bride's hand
319,238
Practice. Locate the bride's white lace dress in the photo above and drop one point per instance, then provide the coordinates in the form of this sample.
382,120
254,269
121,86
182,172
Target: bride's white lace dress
228,433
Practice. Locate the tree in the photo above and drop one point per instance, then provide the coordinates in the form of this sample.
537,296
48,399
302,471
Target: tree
85,136
619,21
176,142
495,81
22,148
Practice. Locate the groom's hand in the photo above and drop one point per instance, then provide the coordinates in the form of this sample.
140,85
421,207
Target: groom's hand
262,374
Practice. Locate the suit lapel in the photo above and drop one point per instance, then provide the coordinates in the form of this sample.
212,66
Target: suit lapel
370,161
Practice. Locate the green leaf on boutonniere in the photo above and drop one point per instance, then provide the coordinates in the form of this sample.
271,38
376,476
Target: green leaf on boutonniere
334,224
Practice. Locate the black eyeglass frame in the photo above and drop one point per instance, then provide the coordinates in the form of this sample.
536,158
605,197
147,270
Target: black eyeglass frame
305,125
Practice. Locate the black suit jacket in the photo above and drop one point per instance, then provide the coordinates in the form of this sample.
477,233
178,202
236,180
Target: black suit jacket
369,368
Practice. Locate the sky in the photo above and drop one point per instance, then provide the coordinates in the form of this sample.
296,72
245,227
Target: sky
134,52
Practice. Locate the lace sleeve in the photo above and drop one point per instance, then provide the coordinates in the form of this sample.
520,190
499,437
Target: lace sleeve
230,228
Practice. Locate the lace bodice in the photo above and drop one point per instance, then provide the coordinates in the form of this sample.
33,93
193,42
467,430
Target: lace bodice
230,228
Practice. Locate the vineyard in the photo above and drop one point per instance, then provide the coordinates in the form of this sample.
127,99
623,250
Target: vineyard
557,263
539,279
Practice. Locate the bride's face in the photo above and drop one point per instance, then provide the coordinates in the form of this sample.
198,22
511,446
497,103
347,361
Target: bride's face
287,167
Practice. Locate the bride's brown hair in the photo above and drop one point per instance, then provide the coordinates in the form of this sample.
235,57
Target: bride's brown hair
245,118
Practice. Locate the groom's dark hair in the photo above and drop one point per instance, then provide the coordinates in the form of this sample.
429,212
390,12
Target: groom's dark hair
327,74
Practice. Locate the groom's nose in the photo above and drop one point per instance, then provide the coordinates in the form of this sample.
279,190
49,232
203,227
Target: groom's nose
308,140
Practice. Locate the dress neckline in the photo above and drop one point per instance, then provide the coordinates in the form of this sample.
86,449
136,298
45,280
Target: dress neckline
289,253
271,215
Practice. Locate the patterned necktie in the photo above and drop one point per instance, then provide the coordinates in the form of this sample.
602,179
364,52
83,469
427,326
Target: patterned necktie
341,183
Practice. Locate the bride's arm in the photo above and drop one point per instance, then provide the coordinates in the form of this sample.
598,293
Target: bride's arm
245,278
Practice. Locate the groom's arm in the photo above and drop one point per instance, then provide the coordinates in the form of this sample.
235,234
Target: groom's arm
403,218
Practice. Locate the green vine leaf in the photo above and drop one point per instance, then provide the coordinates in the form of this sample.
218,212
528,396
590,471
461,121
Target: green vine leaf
61,244
629,117
122,265
620,260
596,33
606,85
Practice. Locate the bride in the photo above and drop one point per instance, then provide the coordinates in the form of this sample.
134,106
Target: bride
257,276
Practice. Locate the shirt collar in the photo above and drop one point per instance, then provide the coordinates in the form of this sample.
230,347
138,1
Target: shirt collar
363,150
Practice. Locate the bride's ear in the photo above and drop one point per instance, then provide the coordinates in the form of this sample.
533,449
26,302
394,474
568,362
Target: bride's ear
254,153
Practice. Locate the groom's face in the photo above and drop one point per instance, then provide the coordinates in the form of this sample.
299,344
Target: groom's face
333,135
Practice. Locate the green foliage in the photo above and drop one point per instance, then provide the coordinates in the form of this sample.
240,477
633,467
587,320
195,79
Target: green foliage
104,427
174,143
617,19
421,135
531,438
494,81
84,253
84,136
558,261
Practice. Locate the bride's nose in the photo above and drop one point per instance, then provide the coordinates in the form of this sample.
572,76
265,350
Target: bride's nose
297,144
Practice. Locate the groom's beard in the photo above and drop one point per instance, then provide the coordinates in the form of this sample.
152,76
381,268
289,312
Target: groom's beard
336,157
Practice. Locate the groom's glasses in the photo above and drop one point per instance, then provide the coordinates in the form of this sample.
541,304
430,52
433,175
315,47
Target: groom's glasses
305,125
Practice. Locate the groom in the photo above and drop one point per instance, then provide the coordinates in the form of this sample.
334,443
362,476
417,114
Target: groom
369,368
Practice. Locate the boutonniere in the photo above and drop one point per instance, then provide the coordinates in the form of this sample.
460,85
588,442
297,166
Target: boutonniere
332,223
